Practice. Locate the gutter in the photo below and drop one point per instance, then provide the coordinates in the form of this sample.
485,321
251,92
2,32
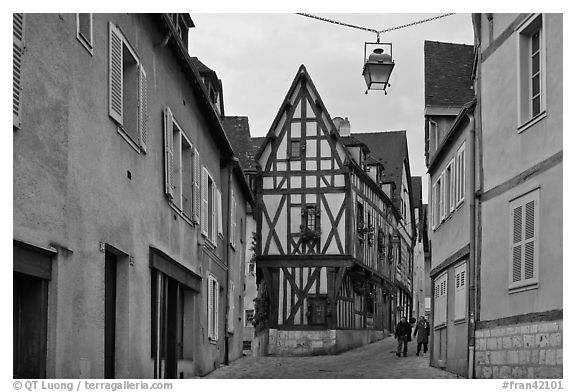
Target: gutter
472,258
231,166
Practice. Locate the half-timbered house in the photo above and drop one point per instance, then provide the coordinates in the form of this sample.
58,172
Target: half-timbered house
327,233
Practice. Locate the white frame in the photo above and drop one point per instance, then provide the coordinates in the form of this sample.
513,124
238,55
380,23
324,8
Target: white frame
461,180
523,50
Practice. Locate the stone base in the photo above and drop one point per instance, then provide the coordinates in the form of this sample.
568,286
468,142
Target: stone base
530,350
318,342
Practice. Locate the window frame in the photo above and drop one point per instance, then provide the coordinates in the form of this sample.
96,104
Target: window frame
521,202
535,23
209,229
87,42
461,178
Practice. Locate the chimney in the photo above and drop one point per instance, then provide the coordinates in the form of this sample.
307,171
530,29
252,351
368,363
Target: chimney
342,125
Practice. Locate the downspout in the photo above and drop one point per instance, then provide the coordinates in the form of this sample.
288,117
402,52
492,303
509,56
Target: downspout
228,257
472,259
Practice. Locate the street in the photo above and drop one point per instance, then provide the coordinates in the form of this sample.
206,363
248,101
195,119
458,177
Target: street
376,360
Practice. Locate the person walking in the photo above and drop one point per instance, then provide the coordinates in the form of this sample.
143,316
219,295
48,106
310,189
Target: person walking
422,331
402,333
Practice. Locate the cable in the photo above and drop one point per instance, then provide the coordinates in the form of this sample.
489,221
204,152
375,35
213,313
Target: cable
377,32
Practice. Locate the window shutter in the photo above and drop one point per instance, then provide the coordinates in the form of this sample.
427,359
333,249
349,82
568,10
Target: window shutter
517,244
233,220
143,109
460,293
214,217
210,307
219,204
18,53
196,183
529,236
116,75
462,174
231,306
204,214
442,193
452,186
216,308
168,153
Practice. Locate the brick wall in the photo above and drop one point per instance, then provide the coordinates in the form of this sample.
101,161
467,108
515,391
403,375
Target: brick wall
531,350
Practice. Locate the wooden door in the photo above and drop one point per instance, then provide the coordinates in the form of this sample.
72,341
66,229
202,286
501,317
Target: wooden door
110,268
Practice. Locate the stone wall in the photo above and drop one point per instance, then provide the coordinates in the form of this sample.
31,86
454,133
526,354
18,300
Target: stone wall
296,343
530,350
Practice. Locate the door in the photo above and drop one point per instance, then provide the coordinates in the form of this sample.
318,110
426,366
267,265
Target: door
110,268
29,320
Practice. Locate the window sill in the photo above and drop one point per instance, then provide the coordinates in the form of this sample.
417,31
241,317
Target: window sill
212,341
85,44
532,121
177,209
460,321
128,139
441,326
526,287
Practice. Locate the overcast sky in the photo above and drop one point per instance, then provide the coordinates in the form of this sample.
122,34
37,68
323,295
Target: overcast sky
257,55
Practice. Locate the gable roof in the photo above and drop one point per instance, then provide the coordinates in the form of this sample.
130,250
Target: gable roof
389,148
447,74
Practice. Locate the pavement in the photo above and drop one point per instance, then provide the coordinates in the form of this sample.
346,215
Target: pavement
376,360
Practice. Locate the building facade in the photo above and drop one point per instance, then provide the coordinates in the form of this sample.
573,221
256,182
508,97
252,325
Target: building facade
328,242
449,131
129,207
519,328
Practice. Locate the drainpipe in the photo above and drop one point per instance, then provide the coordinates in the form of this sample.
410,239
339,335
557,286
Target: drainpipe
227,255
472,259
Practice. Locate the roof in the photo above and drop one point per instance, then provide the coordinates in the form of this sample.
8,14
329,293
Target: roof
448,74
390,149
245,146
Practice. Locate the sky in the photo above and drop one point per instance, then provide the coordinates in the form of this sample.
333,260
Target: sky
257,56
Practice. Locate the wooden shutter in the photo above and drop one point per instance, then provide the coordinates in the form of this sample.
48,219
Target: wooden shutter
216,308
116,82
524,240
231,306
452,186
204,213
460,292
196,185
143,109
214,216
233,220
168,153
210,307
442,197
219,212
462,174
18,54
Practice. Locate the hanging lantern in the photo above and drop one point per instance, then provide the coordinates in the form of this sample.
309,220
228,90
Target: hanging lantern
378,65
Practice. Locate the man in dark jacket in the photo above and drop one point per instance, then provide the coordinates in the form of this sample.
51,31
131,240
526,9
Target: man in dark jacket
423,331
402,333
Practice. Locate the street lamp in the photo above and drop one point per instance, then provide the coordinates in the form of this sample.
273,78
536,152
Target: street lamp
378,66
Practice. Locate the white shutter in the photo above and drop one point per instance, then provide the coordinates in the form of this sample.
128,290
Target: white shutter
210,307
442,196
18,53
452,186
196,184
143,119
168,153
233,220
440,300
214,196
219,217
524,240
231,306
462,173
204,214
216,308
460,292
116,86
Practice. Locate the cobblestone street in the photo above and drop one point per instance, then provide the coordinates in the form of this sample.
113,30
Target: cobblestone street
376,360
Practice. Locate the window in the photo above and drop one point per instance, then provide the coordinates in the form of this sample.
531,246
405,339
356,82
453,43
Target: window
210,214
17,57
213,304
295,149
360,218
532,71
437,196
128,91
181,163
460,179
248,317
84,30
440,298
460,292
524,231
433,125
310,218
251,268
